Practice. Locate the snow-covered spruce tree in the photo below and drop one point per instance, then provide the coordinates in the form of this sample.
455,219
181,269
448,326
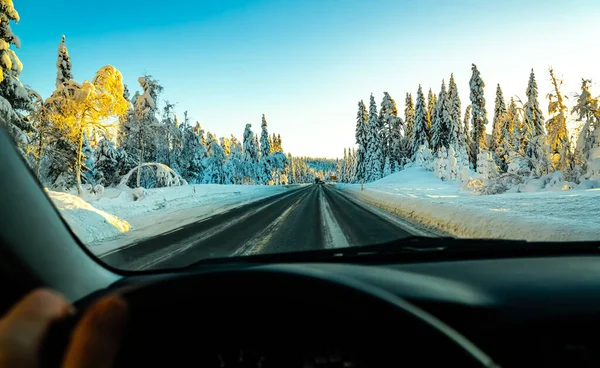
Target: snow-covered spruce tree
469,136
419,136
234,166
478,113
499,119
111,162
167,136
512,121
587,111
431,102
361,139
14,97
534,118
63,64
392,126
226,145
265,165
140,131
190,160
387,167
213,164
374,162
536,149
250,155
456,131
409,120
558,136
441,125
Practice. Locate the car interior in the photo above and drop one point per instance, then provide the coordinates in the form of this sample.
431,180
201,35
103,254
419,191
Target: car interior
482,306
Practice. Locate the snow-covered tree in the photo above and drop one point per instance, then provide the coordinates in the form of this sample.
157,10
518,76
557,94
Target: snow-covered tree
63,64
251,155
111,162
374,161
534,119
409,120
558,136
479,113
168,137
499,119
139,138
536,149
468,136
214,172
456,131
387,167
587,111
190,160
79,109
361,139
14,97
442,123
419,136
392,126
89,172
431,102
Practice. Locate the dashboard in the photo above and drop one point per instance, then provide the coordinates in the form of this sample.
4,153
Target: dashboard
523,312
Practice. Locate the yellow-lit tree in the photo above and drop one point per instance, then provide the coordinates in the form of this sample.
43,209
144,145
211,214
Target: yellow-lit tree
89,107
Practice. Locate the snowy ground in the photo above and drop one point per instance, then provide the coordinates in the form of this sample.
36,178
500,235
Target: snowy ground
115,219
416,194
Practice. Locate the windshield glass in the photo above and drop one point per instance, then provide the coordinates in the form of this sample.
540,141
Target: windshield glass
169,133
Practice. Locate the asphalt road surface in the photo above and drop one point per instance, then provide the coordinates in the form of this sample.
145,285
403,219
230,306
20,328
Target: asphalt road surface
312,217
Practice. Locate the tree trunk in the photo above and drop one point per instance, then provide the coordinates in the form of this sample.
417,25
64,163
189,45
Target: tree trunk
78,164
40,152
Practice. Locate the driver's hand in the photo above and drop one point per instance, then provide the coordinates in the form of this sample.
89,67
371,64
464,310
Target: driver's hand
94,342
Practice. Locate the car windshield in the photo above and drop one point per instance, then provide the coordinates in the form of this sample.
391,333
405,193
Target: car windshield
170,133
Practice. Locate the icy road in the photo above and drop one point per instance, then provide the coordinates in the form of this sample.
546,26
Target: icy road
309,218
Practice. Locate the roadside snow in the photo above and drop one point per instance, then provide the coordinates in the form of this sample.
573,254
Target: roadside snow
115,218
418,195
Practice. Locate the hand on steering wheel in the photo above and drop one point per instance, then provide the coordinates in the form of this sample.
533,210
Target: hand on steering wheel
94,343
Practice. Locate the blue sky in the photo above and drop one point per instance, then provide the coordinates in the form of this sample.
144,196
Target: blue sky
306,64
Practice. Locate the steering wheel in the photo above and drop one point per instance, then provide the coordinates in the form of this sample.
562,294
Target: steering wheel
274,316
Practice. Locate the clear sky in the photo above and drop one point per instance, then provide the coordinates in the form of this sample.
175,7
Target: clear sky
306,64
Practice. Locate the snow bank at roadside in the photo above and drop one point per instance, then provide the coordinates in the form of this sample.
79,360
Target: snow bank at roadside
87,222
418,195
128,215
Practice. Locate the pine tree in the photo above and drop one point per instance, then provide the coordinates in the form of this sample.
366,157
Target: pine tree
63,64
534,125
587,110
534,118
226,145
431,102
14,97
479,113
111,162
391,125
140,130
214,172
361,139
374,145
454,107
250,155
468,135
265,173
558,137
387,167
419,136
409,119
441,125
499,118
